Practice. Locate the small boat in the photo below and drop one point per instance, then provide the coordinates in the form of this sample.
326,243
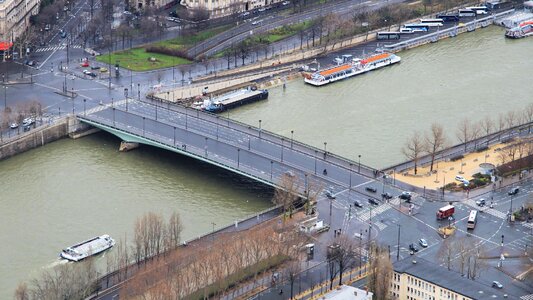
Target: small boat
522,30
88,248
351,68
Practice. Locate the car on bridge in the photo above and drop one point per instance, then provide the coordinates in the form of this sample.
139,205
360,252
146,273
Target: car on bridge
356,203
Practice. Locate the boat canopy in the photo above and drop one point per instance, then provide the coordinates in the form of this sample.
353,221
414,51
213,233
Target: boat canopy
375,58
335,70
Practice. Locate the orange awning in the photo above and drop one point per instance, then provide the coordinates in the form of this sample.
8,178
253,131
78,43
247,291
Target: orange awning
5,45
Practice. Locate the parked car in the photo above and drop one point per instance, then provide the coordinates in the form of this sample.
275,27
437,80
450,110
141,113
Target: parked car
103,70
371,189
95,68
258,22
481,202
356,203
460,178
497,284
27,128
28,121
386,196
47,27
86,72
373,201
30,63
284,3
92,74
14,125
330,194
413,248
127,12
405,196
514,191
423,243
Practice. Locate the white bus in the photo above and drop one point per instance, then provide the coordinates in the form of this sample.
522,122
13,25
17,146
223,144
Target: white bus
425,21
472,219
466,13
417,27
480,10
388,35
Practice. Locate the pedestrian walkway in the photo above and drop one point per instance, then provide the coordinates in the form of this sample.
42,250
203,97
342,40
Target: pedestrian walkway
527,297
488,210
56,48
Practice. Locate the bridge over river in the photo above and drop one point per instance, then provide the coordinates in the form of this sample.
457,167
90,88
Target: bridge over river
237,147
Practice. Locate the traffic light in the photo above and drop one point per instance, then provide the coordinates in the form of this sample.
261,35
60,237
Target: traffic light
117,70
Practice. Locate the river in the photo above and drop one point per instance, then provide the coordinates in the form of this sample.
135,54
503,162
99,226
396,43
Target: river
71,190
472,75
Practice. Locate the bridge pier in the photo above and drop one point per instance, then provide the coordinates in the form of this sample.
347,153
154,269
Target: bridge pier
127,146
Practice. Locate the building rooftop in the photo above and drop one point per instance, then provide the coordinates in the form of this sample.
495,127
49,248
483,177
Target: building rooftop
346,292
451,280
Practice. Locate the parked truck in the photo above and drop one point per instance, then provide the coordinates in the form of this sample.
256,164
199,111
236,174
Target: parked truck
445,212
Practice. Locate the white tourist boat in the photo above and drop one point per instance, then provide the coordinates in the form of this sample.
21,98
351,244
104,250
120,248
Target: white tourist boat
88,248
354,67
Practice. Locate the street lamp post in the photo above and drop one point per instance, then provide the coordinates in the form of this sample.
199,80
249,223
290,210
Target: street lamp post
238,157
316,153
213,234
350,177
398,249
359,168
259,128
113,116
144,118
126,96
138,91
84,111
217,129
271,163
282,139
325,149
174,136
292,137
5,97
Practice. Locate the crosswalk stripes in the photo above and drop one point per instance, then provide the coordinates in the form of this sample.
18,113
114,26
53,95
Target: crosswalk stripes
528,225
527,297
55,48
490,211
102,107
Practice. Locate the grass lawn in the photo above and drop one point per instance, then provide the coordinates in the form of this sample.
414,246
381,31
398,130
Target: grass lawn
137,59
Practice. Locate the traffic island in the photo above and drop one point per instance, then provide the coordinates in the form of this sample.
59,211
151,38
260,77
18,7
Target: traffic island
446,231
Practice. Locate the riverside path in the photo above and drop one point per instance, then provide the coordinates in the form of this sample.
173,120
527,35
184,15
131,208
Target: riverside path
240,148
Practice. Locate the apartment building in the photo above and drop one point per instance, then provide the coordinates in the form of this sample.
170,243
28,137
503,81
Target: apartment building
140,4
419,279
220,8
15,17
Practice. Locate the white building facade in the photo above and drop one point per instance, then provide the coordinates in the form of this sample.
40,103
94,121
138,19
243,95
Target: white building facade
15,17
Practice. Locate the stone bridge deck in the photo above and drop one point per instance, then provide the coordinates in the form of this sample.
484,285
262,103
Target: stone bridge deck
237,147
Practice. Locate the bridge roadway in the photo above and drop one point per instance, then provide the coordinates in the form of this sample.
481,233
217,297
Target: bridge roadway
237,147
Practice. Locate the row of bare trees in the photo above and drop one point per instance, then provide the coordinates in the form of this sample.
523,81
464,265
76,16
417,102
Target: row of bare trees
213,267
65,281
17,113
380,271
432,142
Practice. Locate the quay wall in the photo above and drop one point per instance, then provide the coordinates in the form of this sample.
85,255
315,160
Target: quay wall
41,135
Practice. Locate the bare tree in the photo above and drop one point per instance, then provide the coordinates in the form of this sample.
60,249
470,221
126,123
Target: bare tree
345,255
435,141
510,119
475,133
528,116
464,131
380,272
447,252
22,292
287,192
487,126
413,148
174,229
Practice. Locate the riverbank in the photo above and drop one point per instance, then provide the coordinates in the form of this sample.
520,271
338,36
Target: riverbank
47,132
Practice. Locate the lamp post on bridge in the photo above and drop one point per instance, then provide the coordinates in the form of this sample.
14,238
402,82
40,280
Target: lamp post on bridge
292,137
139,91
238,157
259,128
359,168
174,136
84,111
144,118
126,96
218,117
205,146
114,116
271,163
316,153
282,139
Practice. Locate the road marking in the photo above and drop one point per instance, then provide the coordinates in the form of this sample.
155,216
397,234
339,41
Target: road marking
363,183
47,59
